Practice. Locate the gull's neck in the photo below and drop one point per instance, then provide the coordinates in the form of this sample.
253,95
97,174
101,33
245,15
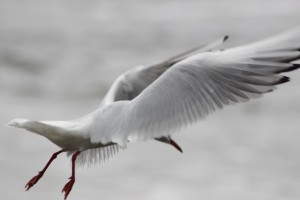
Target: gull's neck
66,134
47,128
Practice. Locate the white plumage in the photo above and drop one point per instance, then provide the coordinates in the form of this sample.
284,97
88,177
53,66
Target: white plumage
157,101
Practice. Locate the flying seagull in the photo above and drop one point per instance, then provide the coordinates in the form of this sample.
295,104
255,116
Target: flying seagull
157,101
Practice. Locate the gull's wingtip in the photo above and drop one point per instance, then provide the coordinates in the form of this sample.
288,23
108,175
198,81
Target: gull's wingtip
225,38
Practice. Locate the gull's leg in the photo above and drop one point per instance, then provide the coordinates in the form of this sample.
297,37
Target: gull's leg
68,187
36,178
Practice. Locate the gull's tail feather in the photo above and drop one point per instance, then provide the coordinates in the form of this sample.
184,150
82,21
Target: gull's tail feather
95,156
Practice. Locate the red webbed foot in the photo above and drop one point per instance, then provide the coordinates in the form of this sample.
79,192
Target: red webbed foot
34,180
68,187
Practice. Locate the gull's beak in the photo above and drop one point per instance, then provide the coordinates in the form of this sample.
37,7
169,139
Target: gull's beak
19,123
14,122
10,124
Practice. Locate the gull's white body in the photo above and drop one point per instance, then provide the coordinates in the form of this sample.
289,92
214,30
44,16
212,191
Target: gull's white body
153,102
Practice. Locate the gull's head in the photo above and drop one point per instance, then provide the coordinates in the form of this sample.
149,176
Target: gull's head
19,123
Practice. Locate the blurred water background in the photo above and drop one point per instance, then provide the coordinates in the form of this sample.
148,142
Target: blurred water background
58,58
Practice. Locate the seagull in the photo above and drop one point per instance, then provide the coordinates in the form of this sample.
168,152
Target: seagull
157,101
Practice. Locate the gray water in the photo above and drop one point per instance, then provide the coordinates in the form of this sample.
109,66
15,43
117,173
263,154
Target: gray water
58,58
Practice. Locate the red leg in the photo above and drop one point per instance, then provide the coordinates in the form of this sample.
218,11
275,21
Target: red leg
68,187
36,178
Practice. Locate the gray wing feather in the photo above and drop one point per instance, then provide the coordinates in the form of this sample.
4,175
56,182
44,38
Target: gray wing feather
195,87
186,94
133,82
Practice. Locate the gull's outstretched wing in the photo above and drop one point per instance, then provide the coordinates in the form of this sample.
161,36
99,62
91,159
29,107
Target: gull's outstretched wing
133,82
197,86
